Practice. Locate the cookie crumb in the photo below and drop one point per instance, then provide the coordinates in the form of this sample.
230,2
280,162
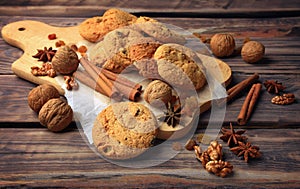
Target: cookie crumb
177,146
204,139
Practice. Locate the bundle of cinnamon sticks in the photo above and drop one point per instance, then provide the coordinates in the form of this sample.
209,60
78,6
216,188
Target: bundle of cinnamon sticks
250,100
106,82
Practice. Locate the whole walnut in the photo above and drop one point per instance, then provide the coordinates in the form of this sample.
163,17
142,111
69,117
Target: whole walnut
39,95
56,115
158,93
65,60
222,44
252,51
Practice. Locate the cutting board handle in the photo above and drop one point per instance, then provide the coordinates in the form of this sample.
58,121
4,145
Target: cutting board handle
29,36
24,34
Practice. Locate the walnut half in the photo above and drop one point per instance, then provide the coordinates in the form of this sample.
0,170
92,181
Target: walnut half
219,168
56,115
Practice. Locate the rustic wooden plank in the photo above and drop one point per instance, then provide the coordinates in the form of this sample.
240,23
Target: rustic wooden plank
156,4
167,8
281,52
65,160
13,100
87,11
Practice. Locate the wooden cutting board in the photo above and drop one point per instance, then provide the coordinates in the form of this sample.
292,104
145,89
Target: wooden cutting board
32,35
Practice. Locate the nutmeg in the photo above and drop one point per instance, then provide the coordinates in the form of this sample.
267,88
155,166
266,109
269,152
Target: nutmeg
39,95
56,115
222,44
65,60
252,51
158,93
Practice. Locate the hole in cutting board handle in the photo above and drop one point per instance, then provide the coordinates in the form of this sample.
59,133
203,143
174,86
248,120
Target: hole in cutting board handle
21,29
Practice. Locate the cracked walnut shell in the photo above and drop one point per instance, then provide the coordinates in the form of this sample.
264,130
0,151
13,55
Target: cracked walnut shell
222,44
39,95
252,51
56,115
65,60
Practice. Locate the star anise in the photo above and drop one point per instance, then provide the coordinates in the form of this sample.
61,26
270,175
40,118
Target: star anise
232,137
246,150
45,54
172,115
273,86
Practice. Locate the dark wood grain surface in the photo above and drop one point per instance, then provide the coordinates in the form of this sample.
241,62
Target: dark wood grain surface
31,156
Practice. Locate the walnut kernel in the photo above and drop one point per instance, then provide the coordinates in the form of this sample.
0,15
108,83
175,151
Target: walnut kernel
39,95
215,151
219,168
252,51
222,44
56,115
65,60
285,99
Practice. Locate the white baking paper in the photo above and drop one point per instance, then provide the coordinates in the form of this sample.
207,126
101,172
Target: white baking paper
87,104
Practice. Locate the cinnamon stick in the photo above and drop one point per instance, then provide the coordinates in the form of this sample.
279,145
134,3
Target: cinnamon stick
121,80
100,74
249,103
129,89
95,79
238,88
104,85
85,79
128,92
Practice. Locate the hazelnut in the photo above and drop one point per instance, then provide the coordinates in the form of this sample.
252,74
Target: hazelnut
65,60
158,93
252,51
222,44
190,144
56,115
39,95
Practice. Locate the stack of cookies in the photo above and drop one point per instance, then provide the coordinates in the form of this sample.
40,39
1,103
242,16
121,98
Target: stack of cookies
123,41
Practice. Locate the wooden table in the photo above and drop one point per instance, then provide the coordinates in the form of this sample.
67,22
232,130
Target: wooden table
31,156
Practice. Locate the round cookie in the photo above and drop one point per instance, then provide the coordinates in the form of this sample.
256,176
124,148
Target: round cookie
177,65
136,49
124,130
160,32
147,68
109,52
142,48
143,19
116,18
121,47
91,29
94,29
